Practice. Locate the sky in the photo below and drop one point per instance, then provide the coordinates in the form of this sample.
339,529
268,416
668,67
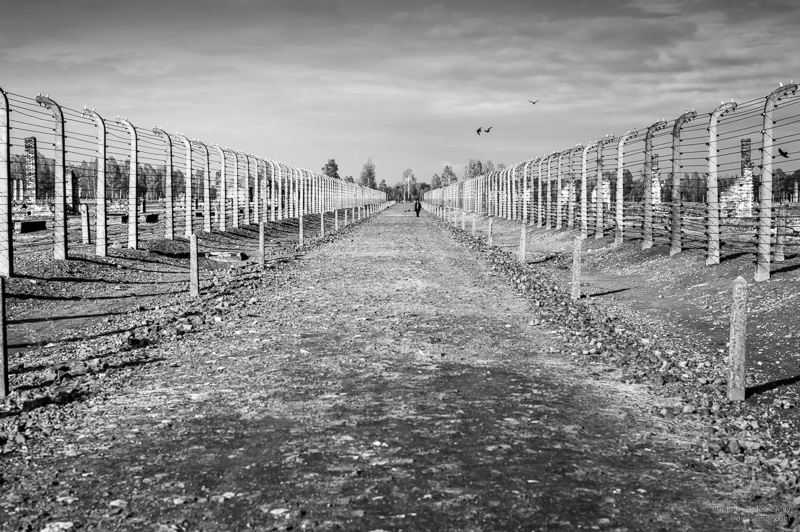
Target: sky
404,82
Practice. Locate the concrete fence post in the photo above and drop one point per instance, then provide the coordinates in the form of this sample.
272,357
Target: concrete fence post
526,191
235,196
321,207
559,203
765,188
584,200
206,188
246,192
5,389
539,194
188,229
262,248
169,202
573,193
737,343
647,224
194,270
300,215
6,224
256,193
676,241
101,229
60,244
336,219
86,235
712,190
279,192
266,194
491,227
522,237
576,268
549,208
222,191
599,219
463,220
474,215
619,233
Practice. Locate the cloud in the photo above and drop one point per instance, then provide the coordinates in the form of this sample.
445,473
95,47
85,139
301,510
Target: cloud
306,80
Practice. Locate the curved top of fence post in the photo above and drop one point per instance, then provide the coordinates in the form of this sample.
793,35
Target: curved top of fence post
5,154
723,108
187,143
203,145
4,136
661,124
50,104
131,129
681,120
586,149
3,115
96,118
158,132
627,136
777,94
220,151
608,139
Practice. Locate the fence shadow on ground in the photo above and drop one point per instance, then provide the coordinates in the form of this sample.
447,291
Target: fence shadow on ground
767,386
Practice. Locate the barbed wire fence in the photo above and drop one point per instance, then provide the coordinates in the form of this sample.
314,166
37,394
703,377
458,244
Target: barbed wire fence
79,180
727,182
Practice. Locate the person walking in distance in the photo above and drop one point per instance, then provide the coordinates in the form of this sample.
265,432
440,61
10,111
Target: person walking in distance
417,207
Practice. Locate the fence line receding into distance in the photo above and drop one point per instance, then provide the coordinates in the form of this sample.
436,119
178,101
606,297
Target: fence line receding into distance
726,182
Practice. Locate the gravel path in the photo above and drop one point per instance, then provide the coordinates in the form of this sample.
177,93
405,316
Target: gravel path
388,381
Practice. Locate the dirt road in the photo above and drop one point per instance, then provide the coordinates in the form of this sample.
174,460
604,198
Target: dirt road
388,381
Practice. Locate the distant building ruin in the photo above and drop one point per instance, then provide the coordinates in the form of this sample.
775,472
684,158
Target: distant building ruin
738,199
656,184
30,183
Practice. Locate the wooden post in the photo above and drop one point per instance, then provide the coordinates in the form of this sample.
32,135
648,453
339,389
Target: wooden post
473,223
85,234
262,249
463,220
576,268
194,272
491,226
738,336
522,236
321,224
336,219
5,389
300,227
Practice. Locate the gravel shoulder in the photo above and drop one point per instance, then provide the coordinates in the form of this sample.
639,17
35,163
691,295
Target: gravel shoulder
390,379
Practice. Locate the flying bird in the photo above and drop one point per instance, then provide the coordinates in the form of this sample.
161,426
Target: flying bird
783,153
534,103
480,129
488,129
